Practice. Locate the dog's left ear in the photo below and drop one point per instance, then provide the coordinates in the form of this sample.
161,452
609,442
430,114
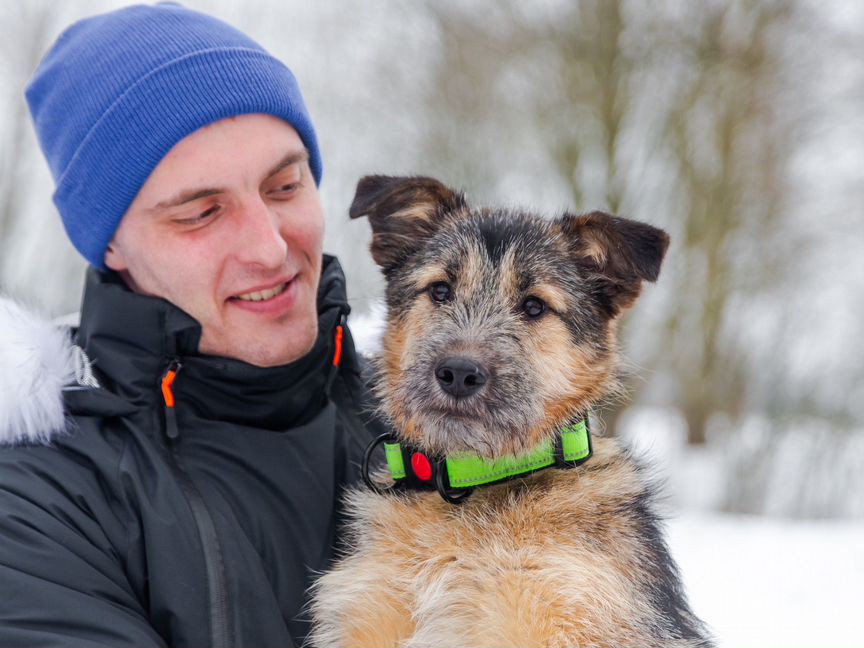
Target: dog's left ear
403,212
622,252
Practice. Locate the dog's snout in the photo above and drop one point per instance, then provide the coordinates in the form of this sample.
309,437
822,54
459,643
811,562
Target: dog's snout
461,377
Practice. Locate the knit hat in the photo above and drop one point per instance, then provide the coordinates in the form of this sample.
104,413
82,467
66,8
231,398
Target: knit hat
119,90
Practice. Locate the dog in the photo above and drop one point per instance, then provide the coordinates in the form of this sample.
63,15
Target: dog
500,338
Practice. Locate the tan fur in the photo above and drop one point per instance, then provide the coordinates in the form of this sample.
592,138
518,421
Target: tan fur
508,282
549,563
397,352
426,276
549,293
574,378
595,251
592,243
471,276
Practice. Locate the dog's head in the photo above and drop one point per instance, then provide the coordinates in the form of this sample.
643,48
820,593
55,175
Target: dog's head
501,325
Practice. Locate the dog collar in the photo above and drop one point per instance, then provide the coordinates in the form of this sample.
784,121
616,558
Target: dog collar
456,475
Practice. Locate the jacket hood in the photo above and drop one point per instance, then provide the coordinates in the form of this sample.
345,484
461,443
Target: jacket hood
125,344
37,359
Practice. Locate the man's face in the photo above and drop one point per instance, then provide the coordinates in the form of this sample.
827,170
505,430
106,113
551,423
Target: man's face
229,227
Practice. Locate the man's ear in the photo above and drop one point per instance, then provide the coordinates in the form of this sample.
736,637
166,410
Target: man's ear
114,258
403,212
622,253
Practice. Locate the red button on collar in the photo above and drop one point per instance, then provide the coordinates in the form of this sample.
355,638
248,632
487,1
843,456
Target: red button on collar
421,465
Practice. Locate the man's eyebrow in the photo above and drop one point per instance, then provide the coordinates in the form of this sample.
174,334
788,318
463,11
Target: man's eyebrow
186,196
292,158
189,195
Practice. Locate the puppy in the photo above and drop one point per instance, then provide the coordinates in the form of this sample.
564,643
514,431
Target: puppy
506,524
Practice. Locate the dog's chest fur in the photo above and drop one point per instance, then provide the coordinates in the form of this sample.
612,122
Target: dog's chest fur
562,557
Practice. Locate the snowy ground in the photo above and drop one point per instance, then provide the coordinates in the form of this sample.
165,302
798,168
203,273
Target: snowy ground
767,583
761,581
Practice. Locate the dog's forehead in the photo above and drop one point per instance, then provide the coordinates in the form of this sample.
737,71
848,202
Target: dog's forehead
493,241
501,233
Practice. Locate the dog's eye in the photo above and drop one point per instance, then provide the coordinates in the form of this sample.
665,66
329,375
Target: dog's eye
533,307
440,292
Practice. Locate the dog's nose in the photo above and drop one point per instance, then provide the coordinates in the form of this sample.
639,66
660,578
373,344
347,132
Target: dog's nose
461,377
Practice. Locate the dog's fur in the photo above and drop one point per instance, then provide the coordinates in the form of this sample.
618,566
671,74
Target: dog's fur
557,558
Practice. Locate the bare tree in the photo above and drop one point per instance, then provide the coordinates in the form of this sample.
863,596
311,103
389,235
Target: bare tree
730,132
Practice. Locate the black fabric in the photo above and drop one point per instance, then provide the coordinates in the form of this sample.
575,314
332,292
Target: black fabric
101,535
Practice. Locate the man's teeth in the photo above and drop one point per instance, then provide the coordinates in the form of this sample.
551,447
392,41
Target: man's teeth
261,295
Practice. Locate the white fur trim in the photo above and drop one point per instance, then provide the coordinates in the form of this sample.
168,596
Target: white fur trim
37,359
368,329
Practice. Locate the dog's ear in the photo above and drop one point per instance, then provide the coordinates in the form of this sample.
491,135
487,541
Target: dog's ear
622,253
403,213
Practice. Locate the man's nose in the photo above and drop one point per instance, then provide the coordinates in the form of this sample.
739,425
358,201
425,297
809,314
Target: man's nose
259,240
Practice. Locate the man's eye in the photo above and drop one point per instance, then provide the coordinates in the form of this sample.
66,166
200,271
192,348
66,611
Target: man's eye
285,189
440,292
200,218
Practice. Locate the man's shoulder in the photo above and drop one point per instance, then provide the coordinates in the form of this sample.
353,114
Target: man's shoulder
71,479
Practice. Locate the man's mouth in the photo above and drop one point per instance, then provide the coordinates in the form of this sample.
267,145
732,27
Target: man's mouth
262,295
274,300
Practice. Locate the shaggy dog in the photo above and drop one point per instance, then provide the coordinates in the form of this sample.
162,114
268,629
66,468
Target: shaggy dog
501,337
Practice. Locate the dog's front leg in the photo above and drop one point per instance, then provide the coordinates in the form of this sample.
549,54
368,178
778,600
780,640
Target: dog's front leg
359,605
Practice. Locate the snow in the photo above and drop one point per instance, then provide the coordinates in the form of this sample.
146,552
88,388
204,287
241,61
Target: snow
367,328
760,581
770,583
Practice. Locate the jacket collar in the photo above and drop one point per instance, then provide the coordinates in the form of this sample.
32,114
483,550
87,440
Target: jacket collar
132,339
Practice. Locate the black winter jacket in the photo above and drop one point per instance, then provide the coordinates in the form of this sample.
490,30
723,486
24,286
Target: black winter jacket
117,535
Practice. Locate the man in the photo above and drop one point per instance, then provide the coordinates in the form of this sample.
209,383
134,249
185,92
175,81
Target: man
186,488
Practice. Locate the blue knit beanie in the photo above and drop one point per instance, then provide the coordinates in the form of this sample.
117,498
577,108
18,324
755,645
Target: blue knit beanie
119,90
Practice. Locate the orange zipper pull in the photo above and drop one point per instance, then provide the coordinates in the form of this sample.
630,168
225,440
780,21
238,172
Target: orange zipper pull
337,356
168,379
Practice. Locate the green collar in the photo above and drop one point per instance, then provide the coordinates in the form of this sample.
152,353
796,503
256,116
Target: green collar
455,476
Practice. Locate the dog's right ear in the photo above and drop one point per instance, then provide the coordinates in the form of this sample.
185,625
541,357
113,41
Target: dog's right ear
403,212
621,252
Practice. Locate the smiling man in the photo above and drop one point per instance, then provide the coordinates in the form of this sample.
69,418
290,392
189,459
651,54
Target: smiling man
170,473
244,232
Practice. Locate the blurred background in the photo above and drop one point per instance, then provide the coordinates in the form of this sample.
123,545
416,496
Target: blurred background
735,125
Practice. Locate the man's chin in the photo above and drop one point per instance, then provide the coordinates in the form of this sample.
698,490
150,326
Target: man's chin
264,360
271,344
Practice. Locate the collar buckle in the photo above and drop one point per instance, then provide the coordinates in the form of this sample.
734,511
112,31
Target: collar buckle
442,485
